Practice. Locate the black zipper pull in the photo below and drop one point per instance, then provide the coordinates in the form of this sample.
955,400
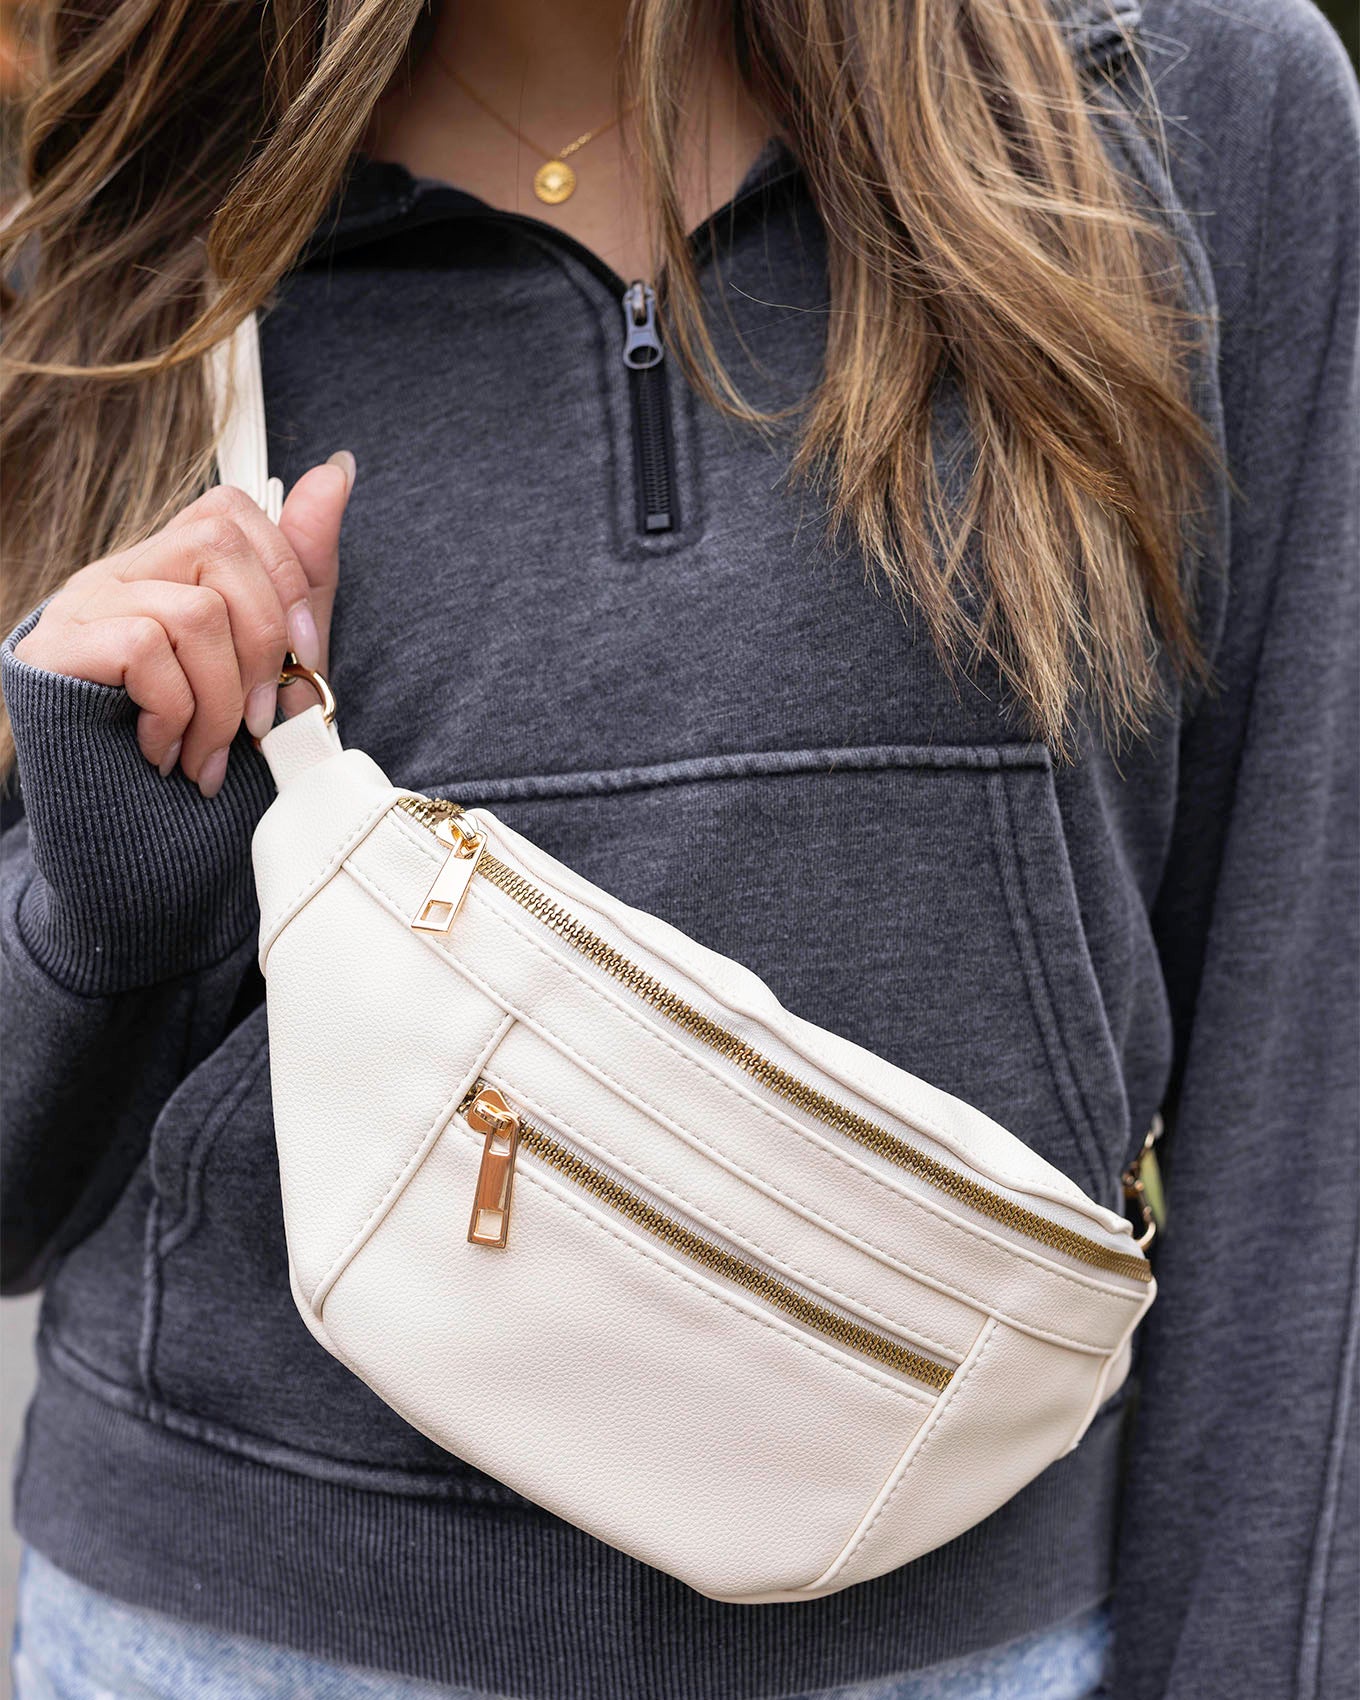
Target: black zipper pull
653,444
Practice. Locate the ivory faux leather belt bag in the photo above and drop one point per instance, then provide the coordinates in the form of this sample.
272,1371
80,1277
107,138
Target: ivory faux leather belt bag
580,1200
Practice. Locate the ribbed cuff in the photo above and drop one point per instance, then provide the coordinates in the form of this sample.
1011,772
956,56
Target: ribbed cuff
139,878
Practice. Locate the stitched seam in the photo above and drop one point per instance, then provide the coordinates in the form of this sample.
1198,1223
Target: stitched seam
918,760
823,1287
1313,1625
1073,1054
412,1481
1033,972
152,1284
917,1445
785,1331
969,1299
152,1295
159,1244
346,846
410,1163
612,402
217,1118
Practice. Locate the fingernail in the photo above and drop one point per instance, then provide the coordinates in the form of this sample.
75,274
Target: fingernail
347,464
212,773
169,759
302,636
260,705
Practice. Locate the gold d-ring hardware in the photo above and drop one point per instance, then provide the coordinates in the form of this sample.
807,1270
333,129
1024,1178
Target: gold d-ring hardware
293,670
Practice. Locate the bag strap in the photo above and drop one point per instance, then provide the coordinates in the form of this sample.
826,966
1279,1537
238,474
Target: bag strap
236,390
236,386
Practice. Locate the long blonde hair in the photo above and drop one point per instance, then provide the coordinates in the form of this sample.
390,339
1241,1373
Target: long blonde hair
979,235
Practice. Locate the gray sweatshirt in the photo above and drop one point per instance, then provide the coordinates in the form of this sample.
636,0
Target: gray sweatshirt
584,598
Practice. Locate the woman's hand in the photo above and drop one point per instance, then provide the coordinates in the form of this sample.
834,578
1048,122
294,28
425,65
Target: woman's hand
195,621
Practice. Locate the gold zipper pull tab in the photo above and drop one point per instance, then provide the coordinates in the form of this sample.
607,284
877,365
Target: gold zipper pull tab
489,1113
445,896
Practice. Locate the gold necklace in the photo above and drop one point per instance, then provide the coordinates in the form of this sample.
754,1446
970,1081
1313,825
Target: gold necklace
554,181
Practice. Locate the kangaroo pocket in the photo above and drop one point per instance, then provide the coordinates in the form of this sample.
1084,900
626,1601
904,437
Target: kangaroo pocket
917,901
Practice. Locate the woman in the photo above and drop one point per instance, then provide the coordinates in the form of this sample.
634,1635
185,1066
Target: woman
972,579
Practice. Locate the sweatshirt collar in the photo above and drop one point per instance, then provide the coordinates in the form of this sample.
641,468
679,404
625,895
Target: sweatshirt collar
379,194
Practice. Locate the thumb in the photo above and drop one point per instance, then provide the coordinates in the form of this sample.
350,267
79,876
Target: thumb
311,522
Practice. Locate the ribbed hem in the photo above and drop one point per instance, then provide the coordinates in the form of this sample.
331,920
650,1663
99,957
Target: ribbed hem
141,879
511,1602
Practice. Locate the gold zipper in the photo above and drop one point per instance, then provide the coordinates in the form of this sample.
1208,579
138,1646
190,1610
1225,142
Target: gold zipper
435,812
508,1133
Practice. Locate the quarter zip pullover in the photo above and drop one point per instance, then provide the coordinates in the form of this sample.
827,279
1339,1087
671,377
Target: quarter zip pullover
572,591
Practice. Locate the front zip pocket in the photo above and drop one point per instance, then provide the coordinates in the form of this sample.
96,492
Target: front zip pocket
468,855
509,1135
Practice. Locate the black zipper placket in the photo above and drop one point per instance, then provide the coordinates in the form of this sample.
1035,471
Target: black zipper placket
653,436
644,354
644,357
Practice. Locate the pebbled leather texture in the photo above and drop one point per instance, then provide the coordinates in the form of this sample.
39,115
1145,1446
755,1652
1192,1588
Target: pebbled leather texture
660,1407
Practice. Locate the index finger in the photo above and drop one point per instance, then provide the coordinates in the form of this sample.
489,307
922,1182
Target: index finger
276,554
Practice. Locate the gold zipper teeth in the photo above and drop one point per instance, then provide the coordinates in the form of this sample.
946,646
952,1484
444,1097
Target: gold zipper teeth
777,1079
428,811
677,1237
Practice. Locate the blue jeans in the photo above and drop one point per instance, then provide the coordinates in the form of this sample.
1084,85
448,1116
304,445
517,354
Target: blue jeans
71,1643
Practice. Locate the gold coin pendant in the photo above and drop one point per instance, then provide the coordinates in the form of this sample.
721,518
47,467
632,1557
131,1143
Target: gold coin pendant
554,182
